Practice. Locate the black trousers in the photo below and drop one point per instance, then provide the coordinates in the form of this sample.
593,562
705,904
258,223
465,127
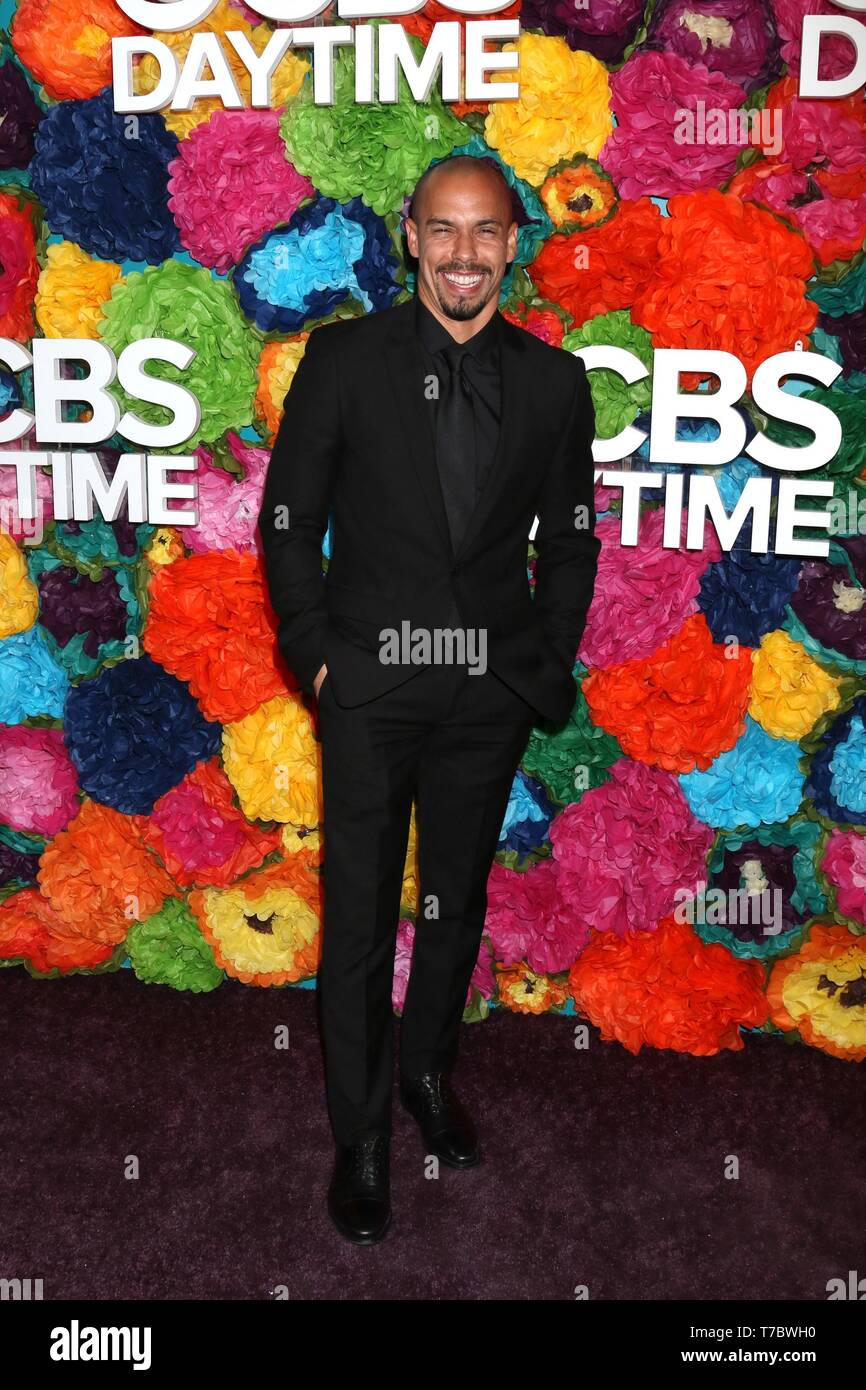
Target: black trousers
451,740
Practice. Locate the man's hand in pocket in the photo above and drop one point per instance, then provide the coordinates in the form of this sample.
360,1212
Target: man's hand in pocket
317,683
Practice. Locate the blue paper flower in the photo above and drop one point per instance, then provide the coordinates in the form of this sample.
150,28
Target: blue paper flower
101,189
836,780
756,782
744,595
133,732
31,682
527,816
326,253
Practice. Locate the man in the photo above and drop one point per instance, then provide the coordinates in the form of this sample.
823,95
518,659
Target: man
433,433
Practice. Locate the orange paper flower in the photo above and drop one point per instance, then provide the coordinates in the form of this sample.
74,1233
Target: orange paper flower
68,47
679,708
31,930
211,624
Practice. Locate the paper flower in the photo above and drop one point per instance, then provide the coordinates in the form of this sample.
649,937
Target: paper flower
627,847
835,54
31,931
88,621
230,183
668,989
820,992
616,401
99,877
527,816
836,780
828,607
278,363
210,623
328,254
762,890
133,732
679,708
228,506
729,276
528,919
31,682
744,594
544,321
524,991
272,760
601,268
99,188
606,30
659,146
72,289
19,266
226,17
67,47
19,599
734,37
38,785
186,303
844,867
577,194
815,177
643,593
264,929
19,857
790,691
201,836
374,150
562,110
169,949
574,758
22,112
756,782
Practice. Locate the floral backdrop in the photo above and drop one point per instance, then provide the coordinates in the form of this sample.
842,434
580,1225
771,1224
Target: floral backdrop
159,774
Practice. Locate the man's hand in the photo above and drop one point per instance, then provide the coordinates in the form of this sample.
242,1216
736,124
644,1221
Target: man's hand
317,683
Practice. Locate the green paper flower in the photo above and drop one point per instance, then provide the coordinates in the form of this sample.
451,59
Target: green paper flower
188,304
375,150
575,758
617,404
168,949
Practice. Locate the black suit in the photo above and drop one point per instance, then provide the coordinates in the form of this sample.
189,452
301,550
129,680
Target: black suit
358,439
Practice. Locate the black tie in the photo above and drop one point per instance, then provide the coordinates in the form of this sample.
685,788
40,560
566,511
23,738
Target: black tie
455,442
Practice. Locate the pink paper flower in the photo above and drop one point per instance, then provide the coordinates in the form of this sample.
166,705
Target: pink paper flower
482,975
38,782
528,919
231,183
844,863
644,593
655,98
228,507
836,56
628,847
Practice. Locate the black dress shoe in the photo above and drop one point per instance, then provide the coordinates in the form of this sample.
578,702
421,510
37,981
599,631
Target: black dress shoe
446,1127
359,1201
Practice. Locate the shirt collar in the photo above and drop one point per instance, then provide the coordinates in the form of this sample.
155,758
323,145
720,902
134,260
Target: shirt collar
434,335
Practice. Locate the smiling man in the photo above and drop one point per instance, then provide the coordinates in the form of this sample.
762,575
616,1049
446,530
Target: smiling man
432,434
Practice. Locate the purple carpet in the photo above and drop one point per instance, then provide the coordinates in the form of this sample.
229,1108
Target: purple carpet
601,1169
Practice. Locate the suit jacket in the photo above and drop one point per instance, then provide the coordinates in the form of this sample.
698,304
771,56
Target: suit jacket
357,442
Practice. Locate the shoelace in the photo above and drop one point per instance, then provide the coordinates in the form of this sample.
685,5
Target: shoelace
367,1157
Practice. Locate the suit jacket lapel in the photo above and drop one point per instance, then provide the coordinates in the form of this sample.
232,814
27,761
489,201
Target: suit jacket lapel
406,368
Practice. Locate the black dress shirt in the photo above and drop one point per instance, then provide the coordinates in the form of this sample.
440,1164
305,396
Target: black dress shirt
482,371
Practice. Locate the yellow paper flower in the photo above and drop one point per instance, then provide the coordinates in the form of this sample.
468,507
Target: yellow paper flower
524,992
295,838
820,991
285,82
790,691
71,291
276,371
409,893
264,929
165,546
19,597
272,760
563,108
